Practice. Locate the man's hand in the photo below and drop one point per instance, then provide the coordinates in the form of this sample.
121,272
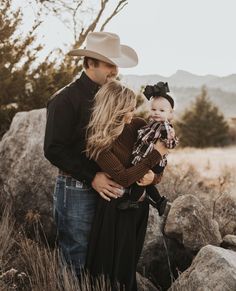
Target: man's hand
147,179
106,187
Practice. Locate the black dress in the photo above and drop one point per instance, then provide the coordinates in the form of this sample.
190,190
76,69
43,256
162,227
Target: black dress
117,236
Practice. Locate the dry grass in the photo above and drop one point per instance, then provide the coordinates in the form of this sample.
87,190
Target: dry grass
28,264
209,162
206,173
6,239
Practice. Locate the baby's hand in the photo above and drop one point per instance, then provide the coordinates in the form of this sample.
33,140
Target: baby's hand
171,133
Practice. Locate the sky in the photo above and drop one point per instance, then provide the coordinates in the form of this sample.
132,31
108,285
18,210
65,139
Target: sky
169,35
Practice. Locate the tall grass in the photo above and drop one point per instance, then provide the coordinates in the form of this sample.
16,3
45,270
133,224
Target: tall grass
6,237
31,265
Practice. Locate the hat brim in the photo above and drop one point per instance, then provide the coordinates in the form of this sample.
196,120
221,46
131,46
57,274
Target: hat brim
127,59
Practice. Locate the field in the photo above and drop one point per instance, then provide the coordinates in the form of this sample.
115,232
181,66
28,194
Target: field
209,162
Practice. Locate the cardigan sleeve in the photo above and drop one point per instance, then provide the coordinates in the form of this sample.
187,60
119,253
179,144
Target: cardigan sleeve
110,164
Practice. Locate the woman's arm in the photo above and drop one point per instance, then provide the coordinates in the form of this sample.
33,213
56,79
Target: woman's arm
150,178
157,178
110,164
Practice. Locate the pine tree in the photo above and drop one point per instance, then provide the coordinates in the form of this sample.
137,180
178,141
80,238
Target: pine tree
17,54
202,125
25,83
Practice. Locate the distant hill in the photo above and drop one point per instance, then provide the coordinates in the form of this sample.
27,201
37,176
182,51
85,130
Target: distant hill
185,87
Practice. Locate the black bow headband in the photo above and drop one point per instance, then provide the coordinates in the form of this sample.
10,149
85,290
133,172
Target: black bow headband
160,89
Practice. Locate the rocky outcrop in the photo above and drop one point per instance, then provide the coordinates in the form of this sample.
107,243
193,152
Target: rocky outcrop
191,225
213,268
26,176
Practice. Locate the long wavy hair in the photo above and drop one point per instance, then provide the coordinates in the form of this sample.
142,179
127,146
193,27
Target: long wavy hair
112,102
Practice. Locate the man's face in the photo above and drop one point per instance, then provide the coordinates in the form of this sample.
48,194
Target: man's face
161,109
103,72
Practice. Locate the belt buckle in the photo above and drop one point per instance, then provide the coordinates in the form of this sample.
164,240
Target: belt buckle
79,184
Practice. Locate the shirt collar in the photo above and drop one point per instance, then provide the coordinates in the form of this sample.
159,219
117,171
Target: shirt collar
91,86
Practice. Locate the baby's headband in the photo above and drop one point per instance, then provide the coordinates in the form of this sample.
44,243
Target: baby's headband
160,89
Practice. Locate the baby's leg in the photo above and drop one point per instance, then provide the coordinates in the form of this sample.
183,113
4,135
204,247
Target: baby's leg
136,192
160,202
132,198
153,193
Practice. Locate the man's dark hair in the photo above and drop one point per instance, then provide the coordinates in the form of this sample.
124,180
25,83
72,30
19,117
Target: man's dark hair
86,65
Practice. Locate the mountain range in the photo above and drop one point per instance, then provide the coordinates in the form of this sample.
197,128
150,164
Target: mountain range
185,86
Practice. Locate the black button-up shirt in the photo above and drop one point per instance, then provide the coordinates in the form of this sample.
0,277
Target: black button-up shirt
68,114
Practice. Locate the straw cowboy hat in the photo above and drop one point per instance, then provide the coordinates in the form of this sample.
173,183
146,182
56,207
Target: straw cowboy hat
106,47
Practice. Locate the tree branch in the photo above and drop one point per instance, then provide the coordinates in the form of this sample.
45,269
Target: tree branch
118,8
92,26
74,18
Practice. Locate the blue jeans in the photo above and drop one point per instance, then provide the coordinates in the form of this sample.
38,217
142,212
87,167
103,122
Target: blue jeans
73,207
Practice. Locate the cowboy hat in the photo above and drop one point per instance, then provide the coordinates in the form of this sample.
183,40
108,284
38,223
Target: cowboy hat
106,47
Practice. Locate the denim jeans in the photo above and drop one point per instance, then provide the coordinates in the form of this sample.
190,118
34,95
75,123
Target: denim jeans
73,207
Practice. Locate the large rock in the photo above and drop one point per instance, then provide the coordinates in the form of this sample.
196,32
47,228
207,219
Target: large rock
213,268
27,177
190,223
162,257
154,228
229,242
144,284
225,213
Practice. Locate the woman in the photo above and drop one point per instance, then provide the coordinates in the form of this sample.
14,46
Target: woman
117,236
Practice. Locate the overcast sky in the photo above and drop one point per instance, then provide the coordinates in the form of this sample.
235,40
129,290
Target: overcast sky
169,35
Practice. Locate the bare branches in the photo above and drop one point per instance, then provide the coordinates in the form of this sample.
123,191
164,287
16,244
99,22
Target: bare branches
75,15
118,8
84,32
74,18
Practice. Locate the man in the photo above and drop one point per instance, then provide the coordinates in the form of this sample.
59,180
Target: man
68,114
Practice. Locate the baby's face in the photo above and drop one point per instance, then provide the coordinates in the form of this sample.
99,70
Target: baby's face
160,109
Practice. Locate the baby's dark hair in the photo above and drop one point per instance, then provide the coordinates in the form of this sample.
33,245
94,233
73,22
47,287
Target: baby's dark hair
159,90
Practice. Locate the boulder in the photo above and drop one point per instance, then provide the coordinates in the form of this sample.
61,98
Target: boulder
144,284
190,224
225,213
154,228
213,268
26,176
229,242
162,258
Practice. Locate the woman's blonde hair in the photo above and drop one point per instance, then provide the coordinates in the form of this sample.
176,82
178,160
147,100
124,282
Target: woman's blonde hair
112,102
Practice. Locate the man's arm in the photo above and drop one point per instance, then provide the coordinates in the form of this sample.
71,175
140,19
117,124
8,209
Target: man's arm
58,146
60,127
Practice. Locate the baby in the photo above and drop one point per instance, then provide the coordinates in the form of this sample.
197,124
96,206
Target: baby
158,127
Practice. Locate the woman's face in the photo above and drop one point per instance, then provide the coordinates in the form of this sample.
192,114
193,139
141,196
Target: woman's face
129,115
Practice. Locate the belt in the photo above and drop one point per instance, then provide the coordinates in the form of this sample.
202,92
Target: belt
62,173
70,181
